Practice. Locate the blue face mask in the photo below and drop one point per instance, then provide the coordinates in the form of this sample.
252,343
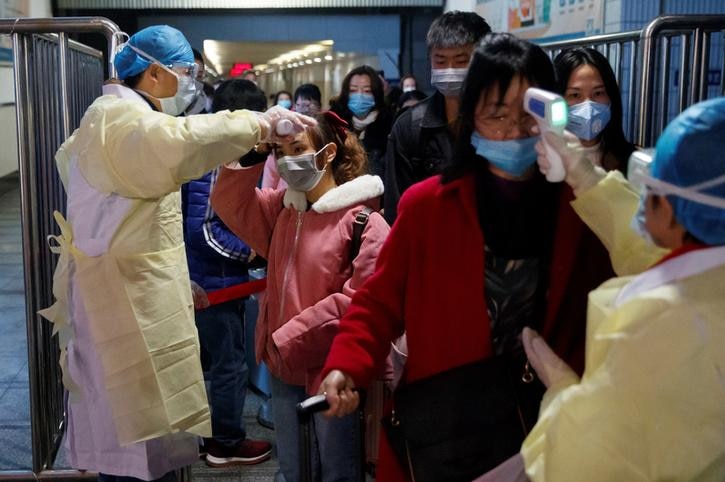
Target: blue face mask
360,104
588,119
514,156
286,103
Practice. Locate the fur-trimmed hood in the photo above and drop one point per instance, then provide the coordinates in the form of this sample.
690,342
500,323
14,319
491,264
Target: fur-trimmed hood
351,193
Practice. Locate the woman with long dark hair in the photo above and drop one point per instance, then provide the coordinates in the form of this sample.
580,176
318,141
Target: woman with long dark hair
362,104
474,256
587,82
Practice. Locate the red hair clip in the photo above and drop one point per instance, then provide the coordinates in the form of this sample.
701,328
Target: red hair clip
337,123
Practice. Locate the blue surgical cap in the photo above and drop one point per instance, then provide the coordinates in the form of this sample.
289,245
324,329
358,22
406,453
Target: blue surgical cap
164,43
691,151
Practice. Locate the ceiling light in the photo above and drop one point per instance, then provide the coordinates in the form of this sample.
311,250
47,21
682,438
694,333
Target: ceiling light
318,60
308,61
328,57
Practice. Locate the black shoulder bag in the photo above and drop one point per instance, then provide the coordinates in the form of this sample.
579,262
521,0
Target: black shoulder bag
461,423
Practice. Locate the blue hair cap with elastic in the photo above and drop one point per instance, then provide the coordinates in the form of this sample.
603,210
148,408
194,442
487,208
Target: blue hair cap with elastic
164,43
690,151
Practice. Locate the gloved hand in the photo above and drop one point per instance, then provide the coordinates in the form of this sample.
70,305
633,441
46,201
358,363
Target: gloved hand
581,173
201,301
338,389
274,116
552,370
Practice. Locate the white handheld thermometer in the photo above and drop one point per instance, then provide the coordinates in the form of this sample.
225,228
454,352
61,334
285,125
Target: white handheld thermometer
285,128
551,114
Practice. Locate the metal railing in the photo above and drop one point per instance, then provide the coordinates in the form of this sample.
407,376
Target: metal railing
56,79
672,54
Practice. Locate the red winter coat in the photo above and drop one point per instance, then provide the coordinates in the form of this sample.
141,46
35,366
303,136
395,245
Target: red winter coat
429,282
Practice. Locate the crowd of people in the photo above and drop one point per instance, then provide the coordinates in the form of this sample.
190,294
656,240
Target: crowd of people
543,331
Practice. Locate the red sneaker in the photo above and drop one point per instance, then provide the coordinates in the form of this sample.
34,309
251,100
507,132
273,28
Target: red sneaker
247,452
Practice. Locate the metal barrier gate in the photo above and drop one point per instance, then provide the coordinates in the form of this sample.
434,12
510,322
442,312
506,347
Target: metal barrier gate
677,55
56,79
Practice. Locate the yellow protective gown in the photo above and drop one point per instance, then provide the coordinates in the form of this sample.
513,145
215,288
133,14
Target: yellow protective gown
608,209
651,403
124,305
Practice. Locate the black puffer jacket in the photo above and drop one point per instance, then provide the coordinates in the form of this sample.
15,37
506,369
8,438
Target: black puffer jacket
420,146
375,140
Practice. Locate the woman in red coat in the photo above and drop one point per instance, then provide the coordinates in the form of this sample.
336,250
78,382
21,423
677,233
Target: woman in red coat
473,257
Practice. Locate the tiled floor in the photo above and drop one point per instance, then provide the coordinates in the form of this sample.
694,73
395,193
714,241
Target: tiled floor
14,414
15,451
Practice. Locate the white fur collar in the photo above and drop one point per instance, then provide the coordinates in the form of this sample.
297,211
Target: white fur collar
351,193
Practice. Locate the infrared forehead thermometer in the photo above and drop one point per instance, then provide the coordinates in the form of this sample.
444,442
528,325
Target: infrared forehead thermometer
552,114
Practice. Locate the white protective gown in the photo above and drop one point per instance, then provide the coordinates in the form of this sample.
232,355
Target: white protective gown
124,307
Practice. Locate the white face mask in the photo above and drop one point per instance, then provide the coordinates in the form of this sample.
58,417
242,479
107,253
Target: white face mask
199,104
186,91
408,89
449,82
185,94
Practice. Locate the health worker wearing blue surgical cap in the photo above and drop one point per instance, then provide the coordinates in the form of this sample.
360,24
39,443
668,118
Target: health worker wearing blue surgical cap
130,352
650,404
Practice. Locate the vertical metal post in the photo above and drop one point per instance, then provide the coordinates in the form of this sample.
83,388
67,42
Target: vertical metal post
648,43
63,82
695,72
665,84
684,71
632,101
28,204
722,65
704,66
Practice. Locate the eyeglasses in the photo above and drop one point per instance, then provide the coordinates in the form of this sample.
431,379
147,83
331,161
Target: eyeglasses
184,69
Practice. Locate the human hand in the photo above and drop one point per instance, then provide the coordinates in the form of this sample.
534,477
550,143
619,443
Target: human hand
278,124
252,255
201,301
338,388
552,370
581,173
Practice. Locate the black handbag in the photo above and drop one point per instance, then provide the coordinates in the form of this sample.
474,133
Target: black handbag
458,424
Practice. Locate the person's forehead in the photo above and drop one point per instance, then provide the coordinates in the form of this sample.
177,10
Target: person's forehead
491,98
359,79
585,74
454,51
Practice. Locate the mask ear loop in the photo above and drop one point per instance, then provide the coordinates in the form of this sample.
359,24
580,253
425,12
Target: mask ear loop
326,161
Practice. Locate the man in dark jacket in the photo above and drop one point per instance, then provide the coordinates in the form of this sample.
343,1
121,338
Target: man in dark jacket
217,260
420,144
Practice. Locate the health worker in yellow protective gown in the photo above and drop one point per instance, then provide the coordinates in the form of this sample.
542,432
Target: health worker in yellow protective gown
650,405
130,352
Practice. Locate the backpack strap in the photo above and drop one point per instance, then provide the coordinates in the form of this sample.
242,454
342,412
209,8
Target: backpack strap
358,226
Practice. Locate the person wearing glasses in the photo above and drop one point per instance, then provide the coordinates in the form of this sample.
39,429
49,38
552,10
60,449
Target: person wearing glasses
474,256
650,404
130,351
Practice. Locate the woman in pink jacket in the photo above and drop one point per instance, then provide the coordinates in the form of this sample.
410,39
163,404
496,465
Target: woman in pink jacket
305,232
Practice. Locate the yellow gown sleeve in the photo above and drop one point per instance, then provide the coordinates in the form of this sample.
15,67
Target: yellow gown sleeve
650,409
607,209
140,153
